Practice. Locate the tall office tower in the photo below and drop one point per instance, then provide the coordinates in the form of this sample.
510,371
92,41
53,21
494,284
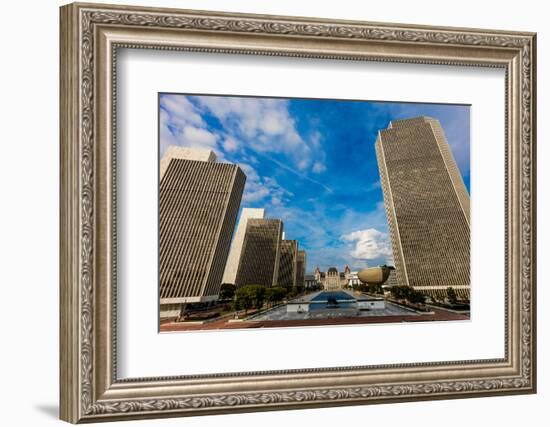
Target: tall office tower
187,153
427,207
301,268
198,206
259,262
288,263
232,265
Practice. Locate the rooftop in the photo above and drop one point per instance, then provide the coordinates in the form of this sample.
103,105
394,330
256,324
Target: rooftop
184,153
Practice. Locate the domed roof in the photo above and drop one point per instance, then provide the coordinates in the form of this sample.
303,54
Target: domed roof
332,270
374,275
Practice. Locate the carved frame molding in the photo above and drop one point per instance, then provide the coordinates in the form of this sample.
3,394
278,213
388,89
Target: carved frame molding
90,37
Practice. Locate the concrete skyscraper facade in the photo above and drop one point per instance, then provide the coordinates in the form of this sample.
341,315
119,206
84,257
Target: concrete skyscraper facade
301,268
427,207
260,256
230,274
198,205
288,263
187,153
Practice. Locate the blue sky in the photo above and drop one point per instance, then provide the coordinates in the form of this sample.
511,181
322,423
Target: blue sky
309,162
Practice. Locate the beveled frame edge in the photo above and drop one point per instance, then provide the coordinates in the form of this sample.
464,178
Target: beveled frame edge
89,390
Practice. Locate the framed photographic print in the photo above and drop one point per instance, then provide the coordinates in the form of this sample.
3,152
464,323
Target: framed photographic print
317,186
265,212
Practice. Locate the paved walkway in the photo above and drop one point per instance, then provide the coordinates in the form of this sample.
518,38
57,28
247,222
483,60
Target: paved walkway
436,316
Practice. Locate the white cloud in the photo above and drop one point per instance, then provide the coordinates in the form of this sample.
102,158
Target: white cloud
260,188
260,124
318,167
251,174
230,144
320,157
167,138
254,192
369,244
181,124
303,164
276,200
265,125
352,220
193,136
275,122
181,110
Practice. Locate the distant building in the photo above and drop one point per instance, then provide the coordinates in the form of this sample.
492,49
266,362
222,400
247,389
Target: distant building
230,273
320,277
310,281
427,207
288,263
301,268
198,206
392,279
332,280
260,257
352,279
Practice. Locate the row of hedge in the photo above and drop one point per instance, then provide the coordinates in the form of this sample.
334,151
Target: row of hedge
255,296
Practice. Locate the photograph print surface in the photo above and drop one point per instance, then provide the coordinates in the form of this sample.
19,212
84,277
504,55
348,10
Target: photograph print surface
279,212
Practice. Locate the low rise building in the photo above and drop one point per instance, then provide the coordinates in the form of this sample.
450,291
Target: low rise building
260,257
332,279
310,282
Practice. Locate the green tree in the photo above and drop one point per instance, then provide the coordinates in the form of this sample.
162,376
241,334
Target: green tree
362,287
451,295
375,288
273,295
227,291
314,287
249,296
416,297
241,301
400,292
407,293
270,296
291,292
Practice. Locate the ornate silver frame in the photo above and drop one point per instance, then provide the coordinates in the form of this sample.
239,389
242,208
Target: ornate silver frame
90,36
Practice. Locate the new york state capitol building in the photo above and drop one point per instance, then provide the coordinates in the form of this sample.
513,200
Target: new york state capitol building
333,280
